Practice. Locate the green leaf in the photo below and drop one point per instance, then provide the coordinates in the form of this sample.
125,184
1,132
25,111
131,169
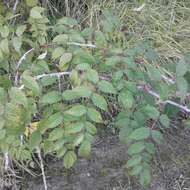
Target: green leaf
145,177
85,149
2,123
57,133
2,134
78,139
99,101
36,12
136,170
181,68
87,32
154,73
150,148
134,160
69,159
61,39
35,139
182,86
89,137
94,115
46,81
31,3
83,67
165,121
74,128
136,148
69,95
78,92
1,55
90,128
111,61
67,21
77,111
61,152
100,38
4,30
30,83
82,56
51,97
25,155
157,136
151,112
126,99
51,122
59,144
139,134
117,76
2,109
17,96
124,132
2,95
4,46
92,75
82,91
20,30
57,52
48,147
17,43
106,87
65,58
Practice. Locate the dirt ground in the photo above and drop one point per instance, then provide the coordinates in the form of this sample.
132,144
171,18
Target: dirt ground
104,169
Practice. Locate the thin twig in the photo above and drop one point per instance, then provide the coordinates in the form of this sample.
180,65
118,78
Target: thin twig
82,45
138,9
156,95
167,79
140,87
23,58
15,6
19,63
52,75
6,155
42,168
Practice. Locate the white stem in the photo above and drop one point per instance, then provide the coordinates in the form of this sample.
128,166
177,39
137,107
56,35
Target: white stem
6,161
82,45
52,75
184,108
19,63
15,6
168,79
156,95
21,139
42,168
23,58
138,9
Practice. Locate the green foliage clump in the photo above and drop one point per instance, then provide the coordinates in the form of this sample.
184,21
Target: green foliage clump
57,88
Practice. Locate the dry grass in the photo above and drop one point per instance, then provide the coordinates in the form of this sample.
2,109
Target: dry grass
166,22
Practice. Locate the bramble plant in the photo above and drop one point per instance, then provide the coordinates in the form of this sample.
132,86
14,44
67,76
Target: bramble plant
60,83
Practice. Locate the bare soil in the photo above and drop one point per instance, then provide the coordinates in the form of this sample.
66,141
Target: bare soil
104,169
